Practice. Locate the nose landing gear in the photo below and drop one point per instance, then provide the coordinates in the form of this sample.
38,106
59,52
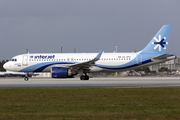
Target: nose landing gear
26,78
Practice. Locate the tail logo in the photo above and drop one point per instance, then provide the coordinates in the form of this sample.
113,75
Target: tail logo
159,43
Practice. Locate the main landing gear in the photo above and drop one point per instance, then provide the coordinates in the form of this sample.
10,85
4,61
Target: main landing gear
84,77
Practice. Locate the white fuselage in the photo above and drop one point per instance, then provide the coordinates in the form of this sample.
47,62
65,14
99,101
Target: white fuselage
107,62
33,62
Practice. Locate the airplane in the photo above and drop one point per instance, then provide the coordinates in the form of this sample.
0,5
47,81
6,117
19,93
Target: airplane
66,65
12,74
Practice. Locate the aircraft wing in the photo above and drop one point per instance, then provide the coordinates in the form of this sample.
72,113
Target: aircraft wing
87,64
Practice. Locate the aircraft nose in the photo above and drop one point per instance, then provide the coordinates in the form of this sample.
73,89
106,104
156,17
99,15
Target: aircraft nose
5,66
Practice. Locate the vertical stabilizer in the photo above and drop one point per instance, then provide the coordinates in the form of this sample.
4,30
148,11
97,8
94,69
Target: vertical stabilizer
160,41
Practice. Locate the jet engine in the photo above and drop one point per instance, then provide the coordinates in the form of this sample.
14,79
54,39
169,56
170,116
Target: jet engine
61,72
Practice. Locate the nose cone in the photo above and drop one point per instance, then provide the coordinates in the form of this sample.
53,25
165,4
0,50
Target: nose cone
5,66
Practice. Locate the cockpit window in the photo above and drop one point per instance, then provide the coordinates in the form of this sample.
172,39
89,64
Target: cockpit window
14,60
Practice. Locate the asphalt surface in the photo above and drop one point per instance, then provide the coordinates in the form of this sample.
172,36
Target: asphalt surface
108,82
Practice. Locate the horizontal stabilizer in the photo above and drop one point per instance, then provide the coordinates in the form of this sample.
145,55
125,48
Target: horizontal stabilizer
161,57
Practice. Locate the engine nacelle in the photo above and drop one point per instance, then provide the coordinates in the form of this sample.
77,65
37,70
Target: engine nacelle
60,72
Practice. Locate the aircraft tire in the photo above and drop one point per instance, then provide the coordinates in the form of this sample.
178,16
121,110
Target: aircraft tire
26,78
84,77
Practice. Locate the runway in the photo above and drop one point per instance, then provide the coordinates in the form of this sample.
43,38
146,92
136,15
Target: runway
108,82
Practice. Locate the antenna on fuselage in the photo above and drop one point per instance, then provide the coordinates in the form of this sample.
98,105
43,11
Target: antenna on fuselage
116,48
61,49
27,51
134,51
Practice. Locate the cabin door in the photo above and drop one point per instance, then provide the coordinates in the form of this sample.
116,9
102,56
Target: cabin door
25,60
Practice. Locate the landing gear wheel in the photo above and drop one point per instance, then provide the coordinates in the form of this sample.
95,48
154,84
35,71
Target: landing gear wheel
84,77
26,78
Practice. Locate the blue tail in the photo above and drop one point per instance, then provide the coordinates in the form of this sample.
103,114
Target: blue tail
160,41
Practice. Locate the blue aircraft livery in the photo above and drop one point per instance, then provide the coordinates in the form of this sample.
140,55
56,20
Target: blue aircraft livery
66,65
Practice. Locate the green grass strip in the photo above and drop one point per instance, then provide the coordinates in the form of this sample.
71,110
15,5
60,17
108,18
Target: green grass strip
90,104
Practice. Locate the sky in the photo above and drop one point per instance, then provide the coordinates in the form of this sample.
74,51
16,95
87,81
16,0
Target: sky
43,26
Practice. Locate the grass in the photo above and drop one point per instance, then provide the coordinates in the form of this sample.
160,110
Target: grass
91,103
